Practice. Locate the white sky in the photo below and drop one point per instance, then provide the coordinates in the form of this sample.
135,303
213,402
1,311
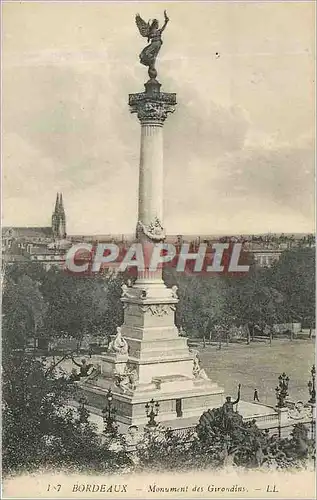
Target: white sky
239,150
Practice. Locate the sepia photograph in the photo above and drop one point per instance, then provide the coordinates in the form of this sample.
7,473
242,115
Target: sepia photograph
158,249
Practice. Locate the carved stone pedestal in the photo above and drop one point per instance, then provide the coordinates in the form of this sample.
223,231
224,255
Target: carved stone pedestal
159,364
112,364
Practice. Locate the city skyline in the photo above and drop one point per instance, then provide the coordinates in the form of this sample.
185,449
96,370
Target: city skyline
239,150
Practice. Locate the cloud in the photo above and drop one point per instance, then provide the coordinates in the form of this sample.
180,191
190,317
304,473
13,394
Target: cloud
239,140
283,176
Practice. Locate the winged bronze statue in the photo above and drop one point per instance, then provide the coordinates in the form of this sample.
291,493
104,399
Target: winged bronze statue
153,33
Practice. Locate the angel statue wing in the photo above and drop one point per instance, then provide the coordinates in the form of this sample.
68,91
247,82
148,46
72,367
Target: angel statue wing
144,28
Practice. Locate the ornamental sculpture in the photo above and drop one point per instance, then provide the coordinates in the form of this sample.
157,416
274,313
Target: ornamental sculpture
174,291
300,412
198,372
153,33
136,294
152,106
154,231
128,380
154,112
118,345
95,374
157,309
125,292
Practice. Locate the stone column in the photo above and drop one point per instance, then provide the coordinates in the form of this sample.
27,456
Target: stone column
159,364
152,108
151,173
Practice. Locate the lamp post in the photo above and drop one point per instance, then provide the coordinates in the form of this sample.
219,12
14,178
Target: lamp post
312,386
109,416
152,411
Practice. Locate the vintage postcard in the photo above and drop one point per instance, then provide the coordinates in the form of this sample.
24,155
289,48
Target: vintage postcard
158,250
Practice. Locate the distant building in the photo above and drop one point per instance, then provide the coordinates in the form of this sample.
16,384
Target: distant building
47,245
265,258
59,219
265,249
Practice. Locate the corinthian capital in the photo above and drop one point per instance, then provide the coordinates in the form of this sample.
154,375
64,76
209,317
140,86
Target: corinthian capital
152,107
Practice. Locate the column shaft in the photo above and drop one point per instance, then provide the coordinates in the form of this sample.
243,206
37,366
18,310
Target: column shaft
151,173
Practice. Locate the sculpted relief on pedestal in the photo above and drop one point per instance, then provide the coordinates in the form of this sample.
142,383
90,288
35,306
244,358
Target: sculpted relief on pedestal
158,309
132,293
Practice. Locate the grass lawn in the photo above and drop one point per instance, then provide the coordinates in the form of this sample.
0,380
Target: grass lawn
258,366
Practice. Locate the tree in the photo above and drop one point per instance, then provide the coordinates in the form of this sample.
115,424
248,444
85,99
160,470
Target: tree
82,304
252,300
201,302
32,402
53,303
24,310
294,276
32,269
113,311
163,448
39,429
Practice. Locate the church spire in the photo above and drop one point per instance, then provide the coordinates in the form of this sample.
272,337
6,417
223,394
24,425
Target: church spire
62,218
59,218
57,203
61,205
55,216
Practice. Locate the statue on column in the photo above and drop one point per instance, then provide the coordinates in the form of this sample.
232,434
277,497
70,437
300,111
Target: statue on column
153,33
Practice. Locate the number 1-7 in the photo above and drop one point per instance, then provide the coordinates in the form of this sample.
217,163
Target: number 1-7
57,487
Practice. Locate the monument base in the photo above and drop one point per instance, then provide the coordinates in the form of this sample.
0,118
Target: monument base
265,417
148,359
178,397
